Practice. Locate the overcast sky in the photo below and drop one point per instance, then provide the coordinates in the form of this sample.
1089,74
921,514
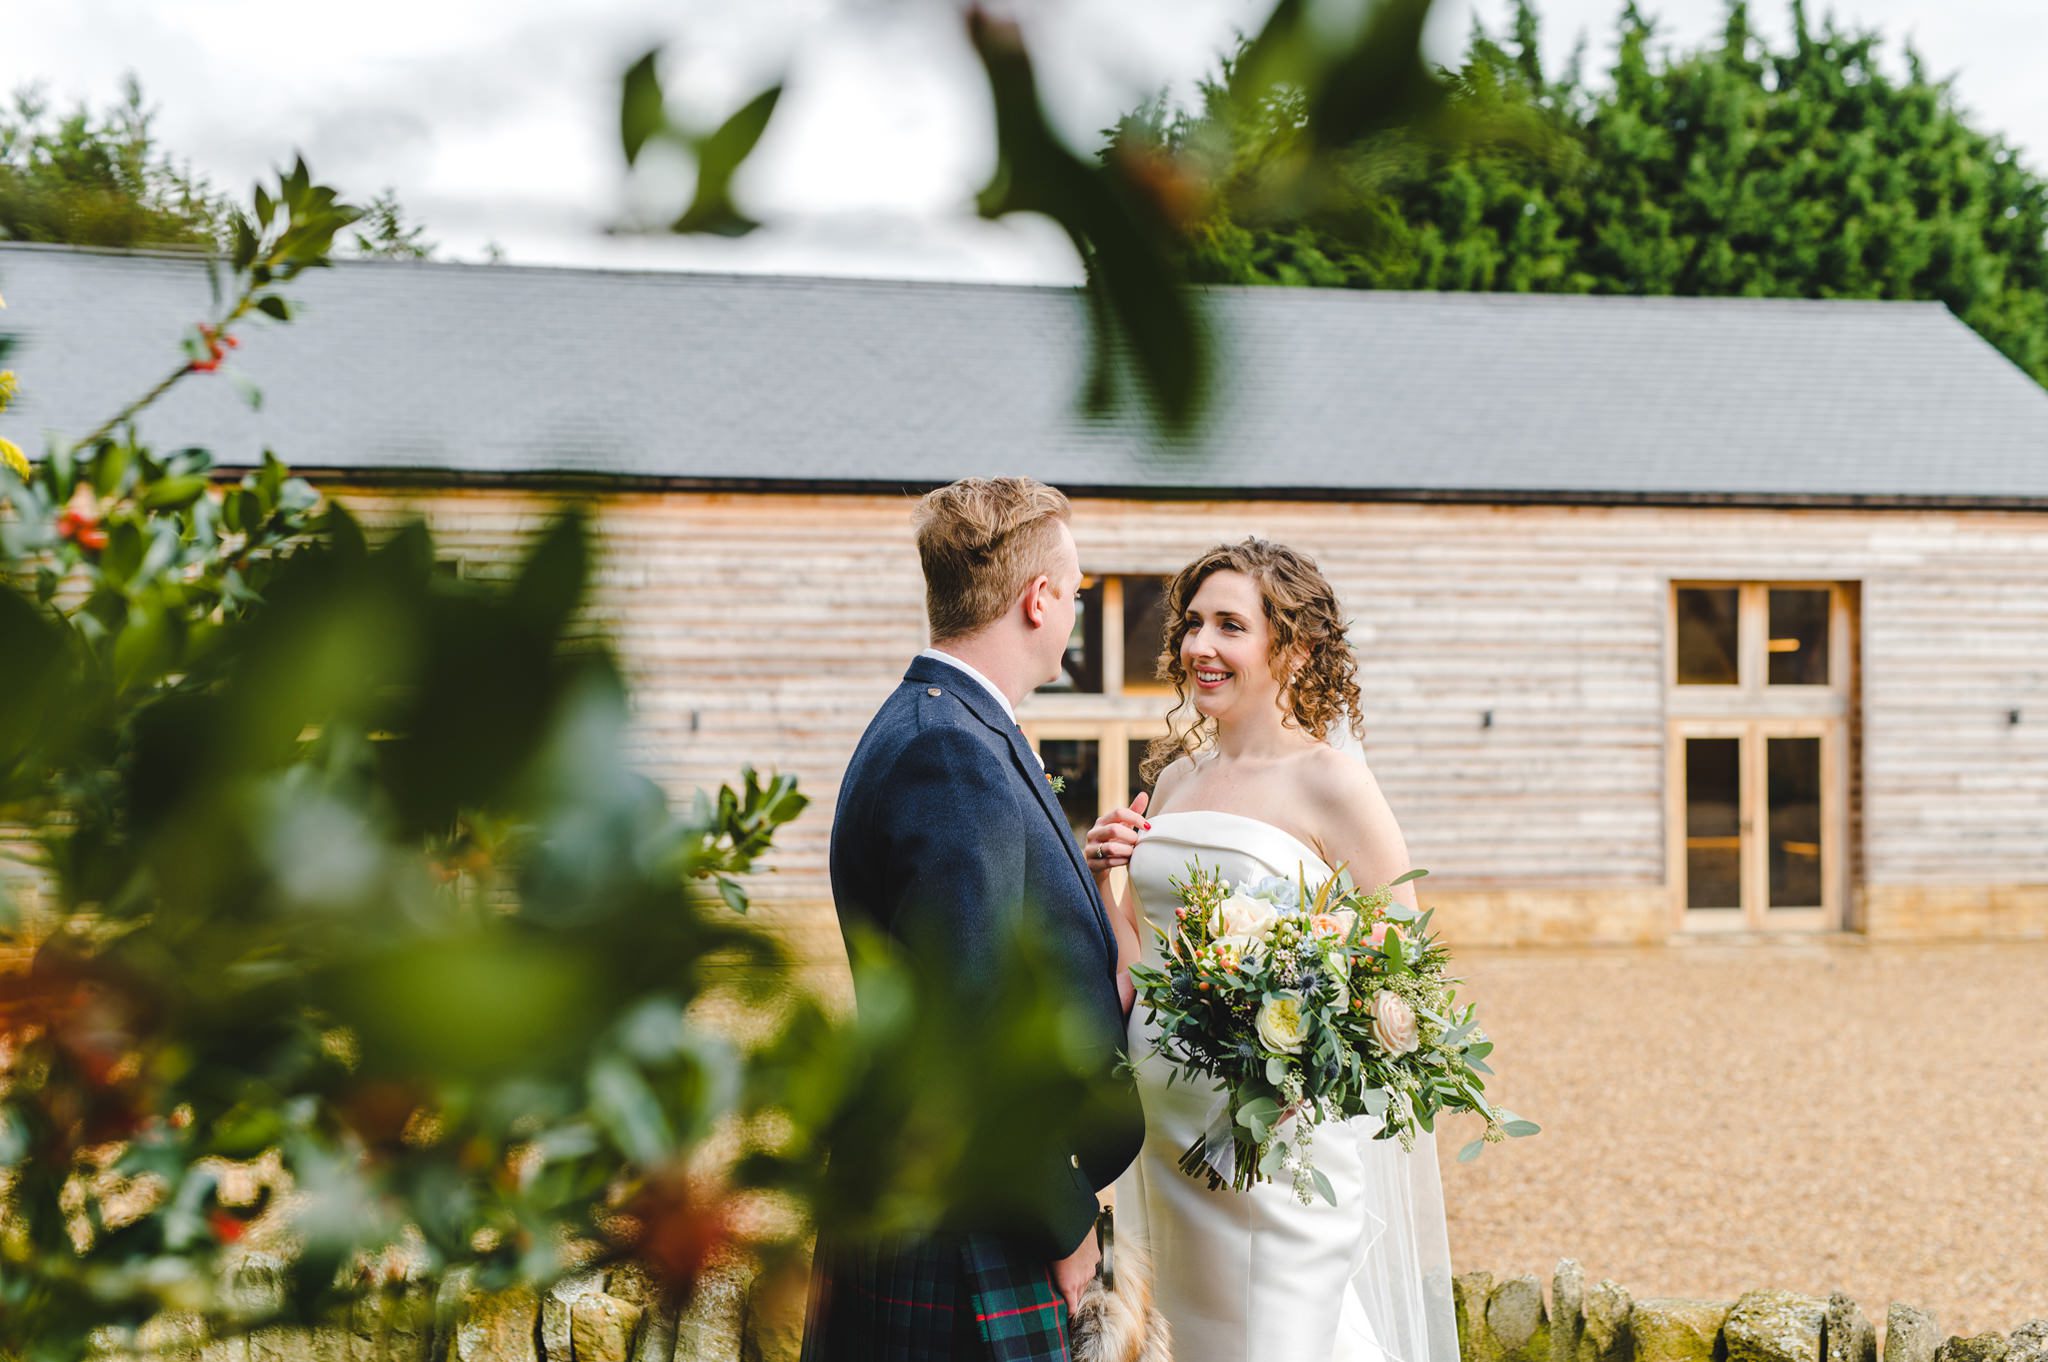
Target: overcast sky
495,120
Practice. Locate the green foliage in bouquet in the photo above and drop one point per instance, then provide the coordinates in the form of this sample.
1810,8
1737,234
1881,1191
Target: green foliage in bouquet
1307,1005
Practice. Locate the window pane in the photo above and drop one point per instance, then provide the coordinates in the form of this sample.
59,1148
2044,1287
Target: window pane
1144,631
1793,774
1082,667
1139,747
1799,638
1077,761
1713,823
1706,636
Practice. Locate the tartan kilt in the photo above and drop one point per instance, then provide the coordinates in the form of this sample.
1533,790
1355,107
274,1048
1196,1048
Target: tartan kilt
934,1298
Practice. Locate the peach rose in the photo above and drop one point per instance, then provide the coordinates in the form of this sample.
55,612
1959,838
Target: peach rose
1393,1023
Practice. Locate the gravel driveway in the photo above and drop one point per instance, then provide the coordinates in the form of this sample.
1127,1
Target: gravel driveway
1812,1115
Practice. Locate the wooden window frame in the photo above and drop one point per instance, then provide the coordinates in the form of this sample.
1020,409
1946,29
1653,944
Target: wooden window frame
1107,705
1753,696
1112,718
1754,711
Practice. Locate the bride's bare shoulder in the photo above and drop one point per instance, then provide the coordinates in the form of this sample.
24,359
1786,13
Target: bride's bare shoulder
1328,773
1343,799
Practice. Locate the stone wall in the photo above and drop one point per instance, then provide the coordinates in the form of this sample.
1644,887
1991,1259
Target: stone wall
1510,1321
739,1316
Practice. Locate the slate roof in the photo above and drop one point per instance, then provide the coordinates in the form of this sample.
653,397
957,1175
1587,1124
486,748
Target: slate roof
495,371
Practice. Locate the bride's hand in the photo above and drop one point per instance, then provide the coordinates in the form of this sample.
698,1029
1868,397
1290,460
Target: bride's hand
1115,835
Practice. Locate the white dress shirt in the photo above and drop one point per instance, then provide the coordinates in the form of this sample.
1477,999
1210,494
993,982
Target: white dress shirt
935,655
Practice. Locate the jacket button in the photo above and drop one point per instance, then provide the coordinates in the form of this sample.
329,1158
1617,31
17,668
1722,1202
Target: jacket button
933,691
1074,1159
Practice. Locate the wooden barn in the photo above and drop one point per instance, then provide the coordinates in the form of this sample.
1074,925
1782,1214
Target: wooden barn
1675,616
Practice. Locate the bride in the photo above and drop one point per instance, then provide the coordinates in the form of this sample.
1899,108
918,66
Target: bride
1260,783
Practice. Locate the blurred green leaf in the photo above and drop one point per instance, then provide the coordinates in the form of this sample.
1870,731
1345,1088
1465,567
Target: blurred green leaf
627,1108
173,494
1122,232
642,112
246,243
719,157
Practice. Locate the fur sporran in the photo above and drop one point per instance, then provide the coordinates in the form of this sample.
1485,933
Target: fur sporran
1116,1320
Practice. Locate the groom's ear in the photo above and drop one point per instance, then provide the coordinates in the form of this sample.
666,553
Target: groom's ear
1035,596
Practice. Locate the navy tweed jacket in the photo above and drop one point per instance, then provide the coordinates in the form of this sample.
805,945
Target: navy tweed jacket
949,838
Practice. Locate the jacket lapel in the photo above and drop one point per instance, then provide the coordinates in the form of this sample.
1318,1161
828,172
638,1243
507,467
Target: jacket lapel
971,693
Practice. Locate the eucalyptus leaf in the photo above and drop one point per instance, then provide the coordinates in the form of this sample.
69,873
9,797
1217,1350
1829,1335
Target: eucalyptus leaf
1259,1116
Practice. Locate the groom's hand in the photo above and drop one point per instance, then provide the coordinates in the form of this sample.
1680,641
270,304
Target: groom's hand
1115,836
1073,1272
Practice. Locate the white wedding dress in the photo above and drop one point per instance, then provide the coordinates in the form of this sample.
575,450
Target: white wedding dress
1256,1276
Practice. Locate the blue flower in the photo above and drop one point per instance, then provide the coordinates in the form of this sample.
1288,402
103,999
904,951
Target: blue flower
1277,890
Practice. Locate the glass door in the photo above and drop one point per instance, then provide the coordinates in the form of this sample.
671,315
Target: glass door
1756,822
1793,812
1714,841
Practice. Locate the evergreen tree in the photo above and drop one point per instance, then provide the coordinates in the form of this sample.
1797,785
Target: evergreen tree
99,181
104,180
1732,169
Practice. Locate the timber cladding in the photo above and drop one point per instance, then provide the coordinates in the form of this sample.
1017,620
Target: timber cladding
1513,660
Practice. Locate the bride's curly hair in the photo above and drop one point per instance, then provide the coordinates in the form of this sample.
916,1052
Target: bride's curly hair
1301,611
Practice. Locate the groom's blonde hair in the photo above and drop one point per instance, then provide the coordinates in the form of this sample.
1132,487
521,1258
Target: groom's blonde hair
981,540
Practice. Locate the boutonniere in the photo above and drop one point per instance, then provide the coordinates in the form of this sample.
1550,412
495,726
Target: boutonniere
1058,783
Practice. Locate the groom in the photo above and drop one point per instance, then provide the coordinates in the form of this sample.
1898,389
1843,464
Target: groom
948,840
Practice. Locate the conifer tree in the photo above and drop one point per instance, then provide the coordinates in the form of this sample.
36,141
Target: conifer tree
1737,168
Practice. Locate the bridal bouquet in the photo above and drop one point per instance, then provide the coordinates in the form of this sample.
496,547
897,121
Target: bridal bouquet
1306,1005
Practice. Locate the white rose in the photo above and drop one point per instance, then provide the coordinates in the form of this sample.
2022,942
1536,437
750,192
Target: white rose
1245,917
1282,1027
1393,1023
